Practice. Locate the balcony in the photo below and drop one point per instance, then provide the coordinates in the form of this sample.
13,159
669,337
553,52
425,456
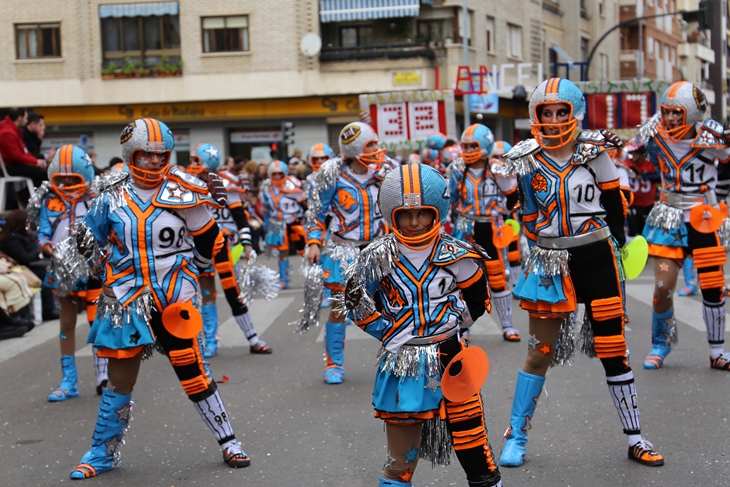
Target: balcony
696,50
630,63
388,51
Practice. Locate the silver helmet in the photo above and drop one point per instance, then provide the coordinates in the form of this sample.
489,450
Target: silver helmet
353,140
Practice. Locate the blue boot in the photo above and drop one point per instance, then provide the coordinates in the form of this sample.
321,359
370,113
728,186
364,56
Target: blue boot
67,388
115,410
527,390
327,300
334,342
210,328
690,278
663,332
393,483
283,274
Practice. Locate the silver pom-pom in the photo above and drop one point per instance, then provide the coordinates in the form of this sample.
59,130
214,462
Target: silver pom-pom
585,338
313,295
565,344
519,160
69,264
256,281
649,128
326,179
665,217
436,445
463,225
548,262
34,205
456,167
343,253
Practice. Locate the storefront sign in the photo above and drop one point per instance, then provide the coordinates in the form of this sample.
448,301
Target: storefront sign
404,120
401,78
249,136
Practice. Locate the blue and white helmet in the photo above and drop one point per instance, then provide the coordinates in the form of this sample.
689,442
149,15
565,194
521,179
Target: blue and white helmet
205,157
435,142
70,160
501,147
413,186
551,92
481,135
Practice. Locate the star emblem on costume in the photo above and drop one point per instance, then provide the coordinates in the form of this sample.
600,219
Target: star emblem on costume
663,267
660,283
432,383
544,349
406,476
213,153
388,461
113,445
677,237
532,342
88,160
175,191
447,249
124,413
546,282
134,338
412,454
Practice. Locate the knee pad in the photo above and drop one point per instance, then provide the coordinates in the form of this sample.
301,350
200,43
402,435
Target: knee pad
495,274
709,262
514,256
610,346
463,411
607,309
181,358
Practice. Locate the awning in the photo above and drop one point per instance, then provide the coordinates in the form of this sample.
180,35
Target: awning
339,10
562,54
137,9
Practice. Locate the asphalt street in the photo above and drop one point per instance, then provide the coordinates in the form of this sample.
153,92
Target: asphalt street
302,432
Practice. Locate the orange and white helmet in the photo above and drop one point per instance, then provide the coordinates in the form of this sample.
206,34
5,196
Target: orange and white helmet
147,135
688,98
318,154
552,92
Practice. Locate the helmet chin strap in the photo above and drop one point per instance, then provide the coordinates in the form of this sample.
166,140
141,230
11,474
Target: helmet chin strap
420,240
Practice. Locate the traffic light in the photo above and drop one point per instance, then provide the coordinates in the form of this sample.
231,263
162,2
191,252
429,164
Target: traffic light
287,133
705,17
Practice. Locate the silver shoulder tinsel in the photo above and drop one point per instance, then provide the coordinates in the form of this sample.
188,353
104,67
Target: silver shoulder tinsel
648,129
665,217
34,205
519,160
326,179
548,262
313,295
69,264
342,252
586,337
112,186
565,344
256,281
456,167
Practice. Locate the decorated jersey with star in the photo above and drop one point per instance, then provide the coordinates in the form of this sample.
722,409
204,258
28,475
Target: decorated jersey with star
58,215
688,165
285,202
421,296
353,203
481,192
147,244
562,198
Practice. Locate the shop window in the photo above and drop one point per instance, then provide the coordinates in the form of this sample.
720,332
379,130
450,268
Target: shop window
225,34
140,39
38,41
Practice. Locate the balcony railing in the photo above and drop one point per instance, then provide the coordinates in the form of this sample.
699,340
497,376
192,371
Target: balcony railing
388,51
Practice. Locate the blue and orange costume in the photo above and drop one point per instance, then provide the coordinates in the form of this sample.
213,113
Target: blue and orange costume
415,306
685,155
573,215
143,217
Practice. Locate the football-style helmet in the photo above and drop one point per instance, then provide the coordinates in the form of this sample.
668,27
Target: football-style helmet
205,157
147,135
70,172
414,186
688,98
550,92
501,147
482,136
278,166
353,139
318,154
435,142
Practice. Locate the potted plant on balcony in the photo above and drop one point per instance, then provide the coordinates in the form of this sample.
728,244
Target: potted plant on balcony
165,68
110,72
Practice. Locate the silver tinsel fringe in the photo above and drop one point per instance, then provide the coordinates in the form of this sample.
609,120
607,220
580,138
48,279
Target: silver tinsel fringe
548,262
524,249
665,217
565,344
113,186
139,308
117,461
342,253
256,281
407,361
672,333
586,343
34,205
456,167
649,128
69,264
326,179
724,232
519,160
463,225
436,445
313,295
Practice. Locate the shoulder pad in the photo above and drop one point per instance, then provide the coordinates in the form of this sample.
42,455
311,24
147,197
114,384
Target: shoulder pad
186,180
450,250
230,181
328,174
710,136
520,159
173,194
589,146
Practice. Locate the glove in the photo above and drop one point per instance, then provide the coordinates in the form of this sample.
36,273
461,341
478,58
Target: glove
726,133
612,138
244,236
216,188
353,295
244,182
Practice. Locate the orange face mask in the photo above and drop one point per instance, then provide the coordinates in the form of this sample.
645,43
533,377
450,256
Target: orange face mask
676,133
69,191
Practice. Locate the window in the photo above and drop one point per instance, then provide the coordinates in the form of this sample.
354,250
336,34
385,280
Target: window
515,41
600,8
141,39
225,34
650,46
356,36
658,49
583,49
603,67
435,30
490,34
38,40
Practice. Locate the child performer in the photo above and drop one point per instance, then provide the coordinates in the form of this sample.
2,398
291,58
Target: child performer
283,200
234,226
70,174
573,212
480,195
143,218
430,284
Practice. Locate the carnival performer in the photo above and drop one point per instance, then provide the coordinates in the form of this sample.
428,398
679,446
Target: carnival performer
54,209
480,195
233,223
347,188
514,255
572,211
435,143
284,201
431,284
142,218
684,145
